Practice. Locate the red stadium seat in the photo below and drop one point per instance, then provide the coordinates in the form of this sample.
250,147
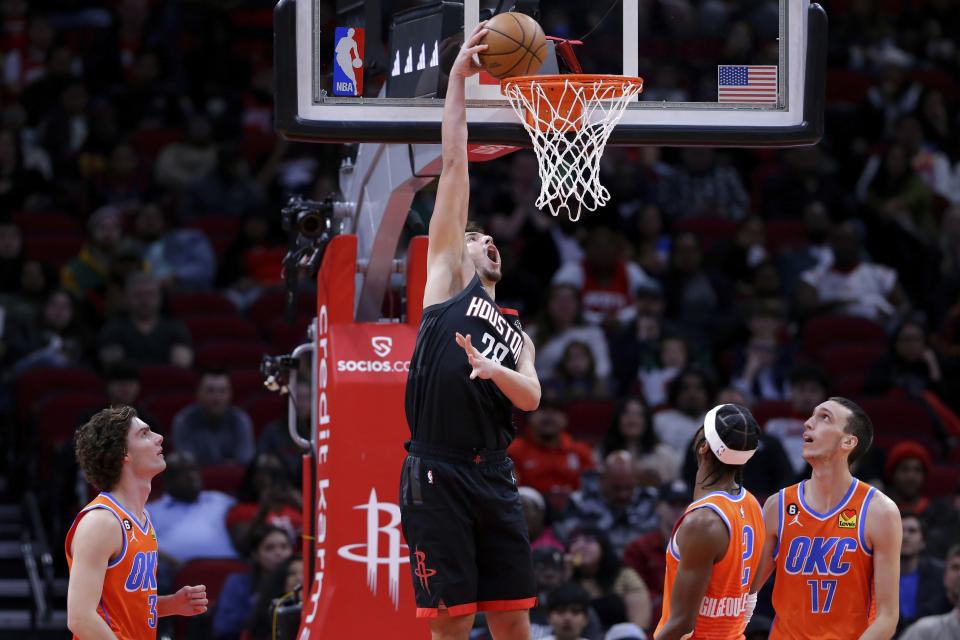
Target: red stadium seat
842,359
34,385
270,305
783,234
588,419
942,480
164,406
887,440
213,329
848,384
264,409
201,303
286,337
221,231
159,378
709,229
232,355
246,383
210,572
223,477
766,410
54,249
47,222
59,415
897,415
821,332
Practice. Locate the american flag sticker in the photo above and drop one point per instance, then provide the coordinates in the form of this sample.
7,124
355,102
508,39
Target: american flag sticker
746,83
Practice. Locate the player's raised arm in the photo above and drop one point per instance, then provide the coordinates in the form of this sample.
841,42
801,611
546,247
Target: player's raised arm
449,220
522,386
771,522
884,534
702,539
98,538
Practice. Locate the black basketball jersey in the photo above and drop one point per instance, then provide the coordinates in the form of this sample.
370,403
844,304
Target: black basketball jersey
444,406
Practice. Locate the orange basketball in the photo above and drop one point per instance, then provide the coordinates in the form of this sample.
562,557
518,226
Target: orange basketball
516,45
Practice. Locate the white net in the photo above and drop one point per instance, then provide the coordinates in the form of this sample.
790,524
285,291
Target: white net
570,121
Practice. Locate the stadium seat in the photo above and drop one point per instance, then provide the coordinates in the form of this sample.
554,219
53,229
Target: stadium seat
942,480
159,378
204,303
213,329
221,231
270,305
223,477
821,332
34,385
843,359
246,383
766,410
897,415
54,249
848,384
59,414
709,229
847,87
264,409
232,355
47,222
286,337
588,419
210,572
164,406
887,440
783,234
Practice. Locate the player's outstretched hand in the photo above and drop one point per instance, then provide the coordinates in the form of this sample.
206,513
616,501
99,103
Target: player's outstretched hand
483,367
466,64
190,601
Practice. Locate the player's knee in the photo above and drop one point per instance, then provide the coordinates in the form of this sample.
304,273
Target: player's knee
447,627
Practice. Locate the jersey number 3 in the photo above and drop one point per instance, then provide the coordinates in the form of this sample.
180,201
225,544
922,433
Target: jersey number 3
498,348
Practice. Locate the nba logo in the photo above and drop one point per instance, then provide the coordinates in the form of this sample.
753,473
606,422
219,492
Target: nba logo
348,62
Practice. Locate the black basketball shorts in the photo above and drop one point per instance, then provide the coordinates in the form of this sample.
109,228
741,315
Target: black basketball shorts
462,520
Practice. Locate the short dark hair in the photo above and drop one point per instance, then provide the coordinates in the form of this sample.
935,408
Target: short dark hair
567,594
474,227
215,372
951,552
101,444
676,385
920,521
859,425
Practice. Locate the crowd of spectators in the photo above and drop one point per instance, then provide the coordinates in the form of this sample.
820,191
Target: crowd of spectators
140,250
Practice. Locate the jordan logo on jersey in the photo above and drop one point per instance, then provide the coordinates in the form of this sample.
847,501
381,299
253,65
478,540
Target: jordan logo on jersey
480,308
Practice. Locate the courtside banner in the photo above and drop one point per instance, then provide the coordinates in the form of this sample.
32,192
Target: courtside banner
360,585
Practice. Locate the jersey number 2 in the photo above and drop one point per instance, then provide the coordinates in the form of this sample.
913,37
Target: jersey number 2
747,554
499,349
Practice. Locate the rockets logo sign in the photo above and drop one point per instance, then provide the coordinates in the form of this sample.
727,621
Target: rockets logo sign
847,519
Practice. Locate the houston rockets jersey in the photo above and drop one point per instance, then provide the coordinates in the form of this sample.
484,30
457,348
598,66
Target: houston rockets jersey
444,406
721,611
128,602
823,587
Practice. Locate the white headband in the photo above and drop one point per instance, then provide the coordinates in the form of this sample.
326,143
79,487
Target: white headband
725,454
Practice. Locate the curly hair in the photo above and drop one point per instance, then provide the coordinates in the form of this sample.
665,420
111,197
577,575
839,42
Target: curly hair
101,445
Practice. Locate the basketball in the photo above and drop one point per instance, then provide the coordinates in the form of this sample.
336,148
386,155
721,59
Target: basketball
516,45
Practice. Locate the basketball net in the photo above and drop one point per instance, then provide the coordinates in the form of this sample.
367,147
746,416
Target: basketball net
569,119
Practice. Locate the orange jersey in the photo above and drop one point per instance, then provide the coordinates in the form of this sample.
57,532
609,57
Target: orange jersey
128,602
824,582
721,612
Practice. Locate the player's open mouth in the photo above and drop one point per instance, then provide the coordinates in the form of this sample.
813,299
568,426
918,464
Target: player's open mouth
807,438
493,255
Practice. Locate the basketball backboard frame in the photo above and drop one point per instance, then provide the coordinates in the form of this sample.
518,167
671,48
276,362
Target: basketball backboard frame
303,112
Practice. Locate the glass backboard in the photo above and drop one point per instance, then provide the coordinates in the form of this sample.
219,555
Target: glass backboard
715,73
